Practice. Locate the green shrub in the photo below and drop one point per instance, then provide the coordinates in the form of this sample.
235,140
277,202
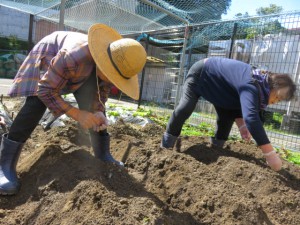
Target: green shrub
12,43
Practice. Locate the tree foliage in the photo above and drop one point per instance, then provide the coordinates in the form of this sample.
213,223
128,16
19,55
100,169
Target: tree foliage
263,25
12,43
272,9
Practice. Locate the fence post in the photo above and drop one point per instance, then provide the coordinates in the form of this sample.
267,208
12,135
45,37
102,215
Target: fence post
30,41
143,73
232,39
182,63
61,25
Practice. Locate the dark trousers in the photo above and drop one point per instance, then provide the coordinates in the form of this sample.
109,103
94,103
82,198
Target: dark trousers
225,120
33,110
188,100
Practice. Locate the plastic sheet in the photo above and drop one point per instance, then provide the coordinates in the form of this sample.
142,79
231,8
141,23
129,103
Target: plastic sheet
126,115
113,114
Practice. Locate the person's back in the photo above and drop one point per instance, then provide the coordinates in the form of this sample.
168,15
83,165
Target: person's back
222,81
61,40
40,57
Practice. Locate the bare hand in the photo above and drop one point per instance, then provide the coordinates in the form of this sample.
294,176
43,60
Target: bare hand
88,120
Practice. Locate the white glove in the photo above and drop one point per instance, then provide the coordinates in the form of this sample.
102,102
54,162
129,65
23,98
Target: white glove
104,123
273,160
245,134
2,121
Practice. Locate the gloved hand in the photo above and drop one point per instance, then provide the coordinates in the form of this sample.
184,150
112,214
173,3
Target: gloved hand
3,124
86,119
2,121
273,160
104,122
245,134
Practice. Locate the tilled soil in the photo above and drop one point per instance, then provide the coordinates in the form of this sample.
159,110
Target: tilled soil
62,182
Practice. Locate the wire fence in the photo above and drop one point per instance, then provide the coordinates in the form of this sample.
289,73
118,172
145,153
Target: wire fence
268,42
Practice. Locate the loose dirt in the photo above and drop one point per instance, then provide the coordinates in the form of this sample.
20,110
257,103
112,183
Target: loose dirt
62,183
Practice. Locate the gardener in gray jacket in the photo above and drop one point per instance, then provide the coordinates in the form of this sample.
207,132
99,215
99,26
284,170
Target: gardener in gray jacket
231,86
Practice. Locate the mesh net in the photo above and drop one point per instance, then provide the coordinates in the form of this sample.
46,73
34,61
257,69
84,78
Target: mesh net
268,42
130,16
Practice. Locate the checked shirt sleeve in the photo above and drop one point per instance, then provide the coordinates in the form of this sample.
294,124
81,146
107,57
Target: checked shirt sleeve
54,80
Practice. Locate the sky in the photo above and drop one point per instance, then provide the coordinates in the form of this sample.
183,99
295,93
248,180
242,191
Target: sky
250,6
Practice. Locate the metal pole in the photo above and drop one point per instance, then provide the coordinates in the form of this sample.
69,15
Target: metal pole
292,102
30,41
182,62
232,39
61,25
143,74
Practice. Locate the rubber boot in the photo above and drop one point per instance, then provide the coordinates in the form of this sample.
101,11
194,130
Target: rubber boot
101,147
9,155
168,140
216,142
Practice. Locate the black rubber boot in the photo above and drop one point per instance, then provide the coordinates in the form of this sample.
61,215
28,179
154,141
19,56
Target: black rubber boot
101,147
216,142
9,155
168,140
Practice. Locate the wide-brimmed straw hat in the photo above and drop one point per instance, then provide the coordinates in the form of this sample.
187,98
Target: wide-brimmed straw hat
119,59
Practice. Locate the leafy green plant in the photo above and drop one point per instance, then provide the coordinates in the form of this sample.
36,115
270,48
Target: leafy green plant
146,220
143,112
234,137
113,113
293,157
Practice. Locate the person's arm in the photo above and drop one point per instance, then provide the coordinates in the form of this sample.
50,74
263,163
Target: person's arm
250,108
2,121
86,119
273,159
245,134
249,100
53,81
60,70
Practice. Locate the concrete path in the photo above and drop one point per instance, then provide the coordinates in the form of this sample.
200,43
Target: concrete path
5,85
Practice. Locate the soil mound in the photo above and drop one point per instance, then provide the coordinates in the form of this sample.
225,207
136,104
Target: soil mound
62,183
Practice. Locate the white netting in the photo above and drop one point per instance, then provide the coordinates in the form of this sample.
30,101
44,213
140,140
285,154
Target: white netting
130,16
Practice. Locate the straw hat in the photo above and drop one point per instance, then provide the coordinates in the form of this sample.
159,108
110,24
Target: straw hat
119,59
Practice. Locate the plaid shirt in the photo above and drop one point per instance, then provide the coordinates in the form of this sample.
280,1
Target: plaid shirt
59,64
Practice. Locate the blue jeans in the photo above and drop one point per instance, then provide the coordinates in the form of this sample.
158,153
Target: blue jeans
33,110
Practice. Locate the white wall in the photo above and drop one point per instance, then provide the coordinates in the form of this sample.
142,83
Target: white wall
13,22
